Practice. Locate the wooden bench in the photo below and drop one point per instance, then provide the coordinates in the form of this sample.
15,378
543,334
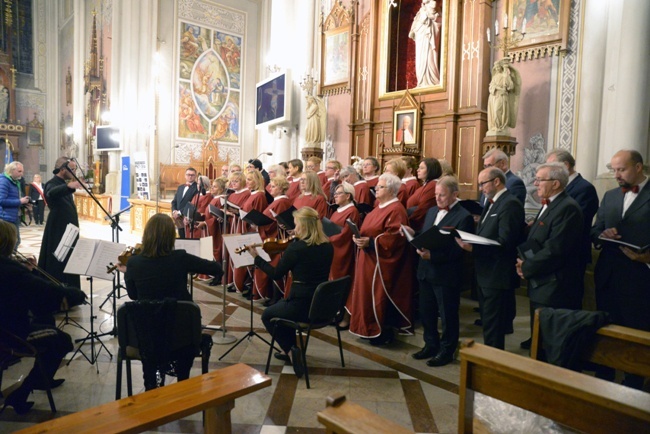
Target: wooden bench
615,346
575,400
344,417
214,393
171,176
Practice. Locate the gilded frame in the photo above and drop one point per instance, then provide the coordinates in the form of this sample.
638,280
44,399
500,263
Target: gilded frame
385,42
399,130
546,31
336,50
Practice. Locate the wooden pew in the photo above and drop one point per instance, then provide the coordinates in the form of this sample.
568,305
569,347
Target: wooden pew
214,393
344,417
575,400
171,176
615,346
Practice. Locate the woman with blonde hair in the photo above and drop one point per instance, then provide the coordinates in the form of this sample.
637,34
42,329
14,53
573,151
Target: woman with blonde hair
309,258
311,194
238,197
397,167
213,224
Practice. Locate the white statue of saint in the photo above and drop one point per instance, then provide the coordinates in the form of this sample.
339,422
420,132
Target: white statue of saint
4,103
503,101
316,112
425,31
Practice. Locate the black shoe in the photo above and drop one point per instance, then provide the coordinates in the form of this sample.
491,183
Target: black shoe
478,322
296,361
525,345
231,287
215,282
282,356
53,384
425,353
342,328
386,337
270,302
18,401
441,359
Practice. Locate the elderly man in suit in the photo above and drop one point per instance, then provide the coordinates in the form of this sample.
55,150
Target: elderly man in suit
621,275
585,194
551,255
514,184
183,196
502,221
440,275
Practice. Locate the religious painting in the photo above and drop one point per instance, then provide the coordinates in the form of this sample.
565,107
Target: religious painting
226,127
546,22
34,136
414,40
337,45
405,127
210,64
335,50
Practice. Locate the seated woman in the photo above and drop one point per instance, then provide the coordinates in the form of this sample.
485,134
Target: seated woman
160,272
309,259
23,292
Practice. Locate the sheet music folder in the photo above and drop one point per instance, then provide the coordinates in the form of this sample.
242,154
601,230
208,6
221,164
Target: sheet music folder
353,227
254,217
330,228
434,238
285,218
218,213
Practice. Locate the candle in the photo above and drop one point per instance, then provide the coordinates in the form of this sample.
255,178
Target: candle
505,21
523,26
514,23
496,27
488,34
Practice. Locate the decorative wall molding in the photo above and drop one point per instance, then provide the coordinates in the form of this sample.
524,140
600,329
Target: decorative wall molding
30,101
40,49
213,15
569,88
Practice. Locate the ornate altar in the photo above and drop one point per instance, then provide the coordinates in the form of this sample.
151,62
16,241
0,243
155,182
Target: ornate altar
208,164
143,210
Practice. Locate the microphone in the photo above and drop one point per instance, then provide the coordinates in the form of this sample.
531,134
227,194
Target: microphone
264,153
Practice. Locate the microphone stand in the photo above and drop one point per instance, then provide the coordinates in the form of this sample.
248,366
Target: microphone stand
196,197
224,339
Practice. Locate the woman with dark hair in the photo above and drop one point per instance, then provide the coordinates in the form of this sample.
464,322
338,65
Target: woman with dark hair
424,198
370,170
309,259
159,271
409,180
21,293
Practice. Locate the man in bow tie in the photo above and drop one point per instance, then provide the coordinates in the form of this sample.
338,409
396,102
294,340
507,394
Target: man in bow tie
502,220
183,196
552,252
620,275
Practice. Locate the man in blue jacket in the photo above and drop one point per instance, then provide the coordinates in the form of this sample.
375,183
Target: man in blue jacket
10,197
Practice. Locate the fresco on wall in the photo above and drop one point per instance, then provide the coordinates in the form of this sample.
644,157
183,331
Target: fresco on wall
210,64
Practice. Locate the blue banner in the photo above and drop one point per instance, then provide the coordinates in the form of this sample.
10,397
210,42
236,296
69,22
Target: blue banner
126,182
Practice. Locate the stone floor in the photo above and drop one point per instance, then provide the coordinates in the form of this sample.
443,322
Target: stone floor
385,380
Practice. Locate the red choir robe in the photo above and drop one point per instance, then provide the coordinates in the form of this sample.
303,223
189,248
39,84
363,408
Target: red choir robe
343,246
215,227
201,208
419,203
256,201
322,177
401,195
235,227
317,202
262,280
382,275
362,193
412,184
294,189
372,181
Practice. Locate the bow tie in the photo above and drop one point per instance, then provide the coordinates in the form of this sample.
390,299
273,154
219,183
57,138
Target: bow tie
546,202
188,184
491,201
444,208
633,189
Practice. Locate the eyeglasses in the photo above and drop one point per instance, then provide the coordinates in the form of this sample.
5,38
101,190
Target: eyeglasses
330,168
380,187
339,193
303,180
538,180
481,184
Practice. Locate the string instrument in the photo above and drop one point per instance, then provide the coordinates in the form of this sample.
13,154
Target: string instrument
123,257
31,264
270,245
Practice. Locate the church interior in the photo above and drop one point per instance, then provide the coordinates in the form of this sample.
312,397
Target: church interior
138,91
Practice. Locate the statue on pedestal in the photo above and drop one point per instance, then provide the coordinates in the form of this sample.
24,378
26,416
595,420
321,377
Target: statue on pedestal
316,112
503,101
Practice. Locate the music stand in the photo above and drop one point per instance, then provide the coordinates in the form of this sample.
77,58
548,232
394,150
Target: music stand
92,336
224,339
115,293
245,260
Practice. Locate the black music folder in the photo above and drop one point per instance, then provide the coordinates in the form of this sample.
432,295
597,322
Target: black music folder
434,238
472,206
353,227
190,212
218,213
330,228
528,249
256,218
363,207
637,249
285,218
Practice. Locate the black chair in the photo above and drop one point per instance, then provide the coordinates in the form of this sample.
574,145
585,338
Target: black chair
12,349
329,299
183,331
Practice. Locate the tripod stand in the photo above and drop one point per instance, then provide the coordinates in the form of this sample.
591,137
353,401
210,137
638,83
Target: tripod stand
92,336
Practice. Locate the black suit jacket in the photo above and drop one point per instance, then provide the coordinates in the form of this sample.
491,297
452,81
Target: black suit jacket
180,201
615,274
585,194
504,222
552,273
445,267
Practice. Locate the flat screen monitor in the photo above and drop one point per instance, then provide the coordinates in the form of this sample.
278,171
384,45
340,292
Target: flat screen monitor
273,100
108,138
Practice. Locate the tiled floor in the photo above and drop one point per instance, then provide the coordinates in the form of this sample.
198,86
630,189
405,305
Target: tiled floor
385,380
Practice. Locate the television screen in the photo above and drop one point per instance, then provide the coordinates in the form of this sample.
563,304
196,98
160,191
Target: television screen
108,138
273,100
